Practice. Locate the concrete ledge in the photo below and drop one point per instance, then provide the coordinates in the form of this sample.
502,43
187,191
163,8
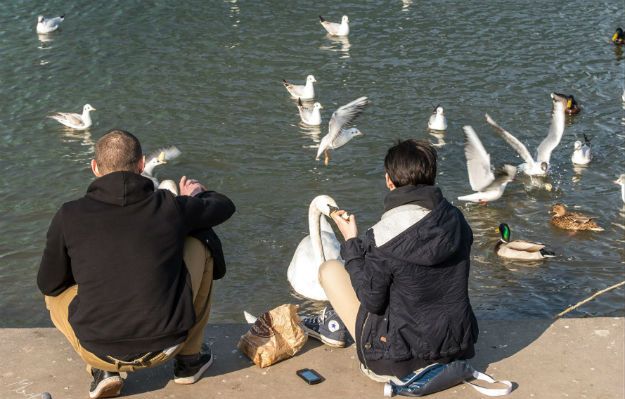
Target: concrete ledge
576,358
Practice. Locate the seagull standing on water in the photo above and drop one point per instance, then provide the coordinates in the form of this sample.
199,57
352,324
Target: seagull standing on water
437,119
581,153
75,121
335,29
310,116
338,136
540,166
48,25
488,187
304,92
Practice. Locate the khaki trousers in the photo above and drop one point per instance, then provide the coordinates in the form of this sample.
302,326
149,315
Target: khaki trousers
199,263
337,285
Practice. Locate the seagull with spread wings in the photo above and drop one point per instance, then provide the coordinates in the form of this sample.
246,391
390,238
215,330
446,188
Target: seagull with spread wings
540,166
338,135
488,186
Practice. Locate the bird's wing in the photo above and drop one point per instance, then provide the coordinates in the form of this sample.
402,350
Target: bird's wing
556,130
503,175
75,119
170,152
52,22
521,245
513,141
478,161
345,115
331,27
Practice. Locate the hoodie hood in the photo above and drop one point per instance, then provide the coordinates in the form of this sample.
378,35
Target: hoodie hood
120,188
420,227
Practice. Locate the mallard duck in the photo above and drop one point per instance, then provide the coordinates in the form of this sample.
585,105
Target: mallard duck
519,249
572,108
572,220
618,37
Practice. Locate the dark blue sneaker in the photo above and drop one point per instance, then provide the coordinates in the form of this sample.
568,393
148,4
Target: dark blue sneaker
327,328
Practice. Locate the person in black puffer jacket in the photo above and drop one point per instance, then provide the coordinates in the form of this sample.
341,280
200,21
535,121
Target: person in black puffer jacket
403,291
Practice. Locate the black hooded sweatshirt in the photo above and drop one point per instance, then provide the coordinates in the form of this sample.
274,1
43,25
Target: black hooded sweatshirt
412,283
122,244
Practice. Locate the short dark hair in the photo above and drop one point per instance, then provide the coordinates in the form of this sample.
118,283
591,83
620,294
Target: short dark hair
118,150
411,162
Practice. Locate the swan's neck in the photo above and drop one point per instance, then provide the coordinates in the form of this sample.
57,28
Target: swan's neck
314,225
148,169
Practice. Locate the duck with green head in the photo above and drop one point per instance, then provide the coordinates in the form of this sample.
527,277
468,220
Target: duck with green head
519,249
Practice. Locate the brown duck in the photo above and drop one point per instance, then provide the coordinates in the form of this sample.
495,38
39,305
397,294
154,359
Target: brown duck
572,220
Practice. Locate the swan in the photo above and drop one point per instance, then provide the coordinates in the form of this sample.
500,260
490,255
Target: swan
160,157
317,247
335,29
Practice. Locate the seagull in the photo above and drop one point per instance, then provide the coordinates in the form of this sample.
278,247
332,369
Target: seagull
621,182
335,29
75,121
540,166
310,116
581,154
488,187
159,157
437,119
48,25
305,92
338,136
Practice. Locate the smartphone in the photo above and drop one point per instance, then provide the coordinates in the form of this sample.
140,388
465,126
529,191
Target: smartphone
310,376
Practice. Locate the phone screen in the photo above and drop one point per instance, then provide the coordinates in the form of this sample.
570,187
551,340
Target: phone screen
309,375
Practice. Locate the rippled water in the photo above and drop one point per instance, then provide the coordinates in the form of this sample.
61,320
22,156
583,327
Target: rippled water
205,76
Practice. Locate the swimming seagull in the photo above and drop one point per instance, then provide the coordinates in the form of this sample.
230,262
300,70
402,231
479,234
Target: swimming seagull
48,25
310,116
159,157
437,119
540,166
305,92
581,153
75,121
338,136
335,29
488,186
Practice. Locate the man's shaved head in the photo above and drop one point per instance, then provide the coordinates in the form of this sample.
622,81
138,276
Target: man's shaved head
117,151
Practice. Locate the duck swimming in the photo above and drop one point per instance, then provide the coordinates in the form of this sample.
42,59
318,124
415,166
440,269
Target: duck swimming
519,249
572,220
618,37
572,108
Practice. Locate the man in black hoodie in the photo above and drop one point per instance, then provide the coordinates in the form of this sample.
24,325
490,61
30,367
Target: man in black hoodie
122,279
403,291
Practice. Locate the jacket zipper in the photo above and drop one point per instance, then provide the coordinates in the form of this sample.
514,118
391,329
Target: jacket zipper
362,344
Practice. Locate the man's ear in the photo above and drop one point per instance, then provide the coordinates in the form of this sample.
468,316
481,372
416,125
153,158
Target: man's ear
389,184
141,164
94,168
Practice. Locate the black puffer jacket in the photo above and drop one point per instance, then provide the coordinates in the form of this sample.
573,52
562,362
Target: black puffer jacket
410,273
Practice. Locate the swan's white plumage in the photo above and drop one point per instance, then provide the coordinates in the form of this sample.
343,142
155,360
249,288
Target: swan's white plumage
303,271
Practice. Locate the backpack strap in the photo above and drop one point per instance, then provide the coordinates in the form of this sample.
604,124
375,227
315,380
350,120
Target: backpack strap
490,391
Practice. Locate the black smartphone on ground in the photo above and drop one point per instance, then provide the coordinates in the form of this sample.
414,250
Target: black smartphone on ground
310,376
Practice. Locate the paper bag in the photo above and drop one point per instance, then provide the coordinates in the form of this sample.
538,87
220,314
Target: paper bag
275,336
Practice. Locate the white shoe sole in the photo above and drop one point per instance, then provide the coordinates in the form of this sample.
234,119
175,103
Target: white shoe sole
194,378
328,341
108,388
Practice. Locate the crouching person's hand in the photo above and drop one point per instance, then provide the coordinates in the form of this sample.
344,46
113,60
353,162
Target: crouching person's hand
347,227
190,187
